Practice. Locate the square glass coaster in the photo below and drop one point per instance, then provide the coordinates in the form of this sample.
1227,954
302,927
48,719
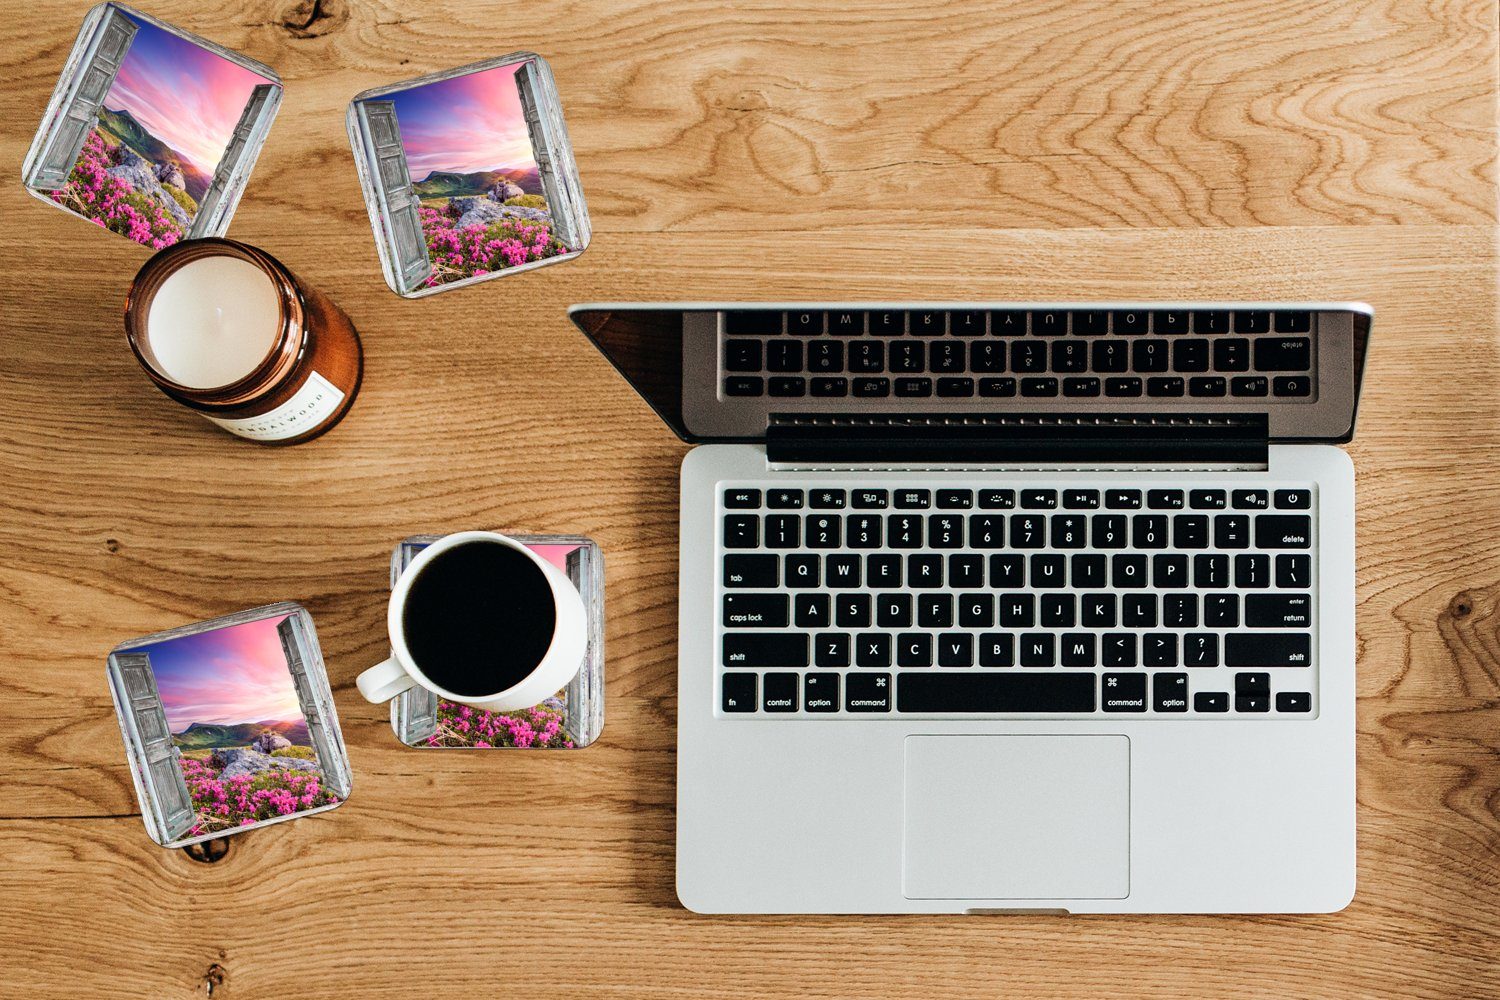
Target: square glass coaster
568,720
468,175
151,132
229,724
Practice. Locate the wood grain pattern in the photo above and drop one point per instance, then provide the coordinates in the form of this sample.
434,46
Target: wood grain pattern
871,149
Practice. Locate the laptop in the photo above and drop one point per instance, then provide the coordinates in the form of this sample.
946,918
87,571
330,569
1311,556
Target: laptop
1010,607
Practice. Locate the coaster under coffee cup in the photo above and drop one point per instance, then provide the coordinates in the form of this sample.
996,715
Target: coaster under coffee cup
480,619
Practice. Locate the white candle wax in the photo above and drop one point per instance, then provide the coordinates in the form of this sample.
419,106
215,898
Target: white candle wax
213,321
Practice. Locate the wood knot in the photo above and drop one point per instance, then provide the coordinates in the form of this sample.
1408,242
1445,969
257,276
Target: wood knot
112,545
1461,606
314,18
208,852
213,979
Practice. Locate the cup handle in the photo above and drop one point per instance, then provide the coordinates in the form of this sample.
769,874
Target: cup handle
384,681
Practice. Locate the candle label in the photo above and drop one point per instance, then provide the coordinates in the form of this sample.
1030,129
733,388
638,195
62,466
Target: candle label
312,404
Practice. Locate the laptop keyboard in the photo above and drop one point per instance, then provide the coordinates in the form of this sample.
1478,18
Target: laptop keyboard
1074,600
1036,354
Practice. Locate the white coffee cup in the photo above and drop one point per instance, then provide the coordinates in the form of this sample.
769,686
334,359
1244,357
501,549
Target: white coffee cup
562,660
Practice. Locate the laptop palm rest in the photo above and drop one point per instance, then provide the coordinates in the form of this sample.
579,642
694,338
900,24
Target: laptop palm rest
1017,817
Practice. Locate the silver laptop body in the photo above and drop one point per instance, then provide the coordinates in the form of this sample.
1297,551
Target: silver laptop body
987,607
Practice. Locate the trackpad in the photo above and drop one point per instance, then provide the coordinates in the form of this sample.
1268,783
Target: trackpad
1017,817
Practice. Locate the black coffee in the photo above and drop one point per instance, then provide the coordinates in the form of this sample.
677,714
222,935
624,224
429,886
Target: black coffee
479,618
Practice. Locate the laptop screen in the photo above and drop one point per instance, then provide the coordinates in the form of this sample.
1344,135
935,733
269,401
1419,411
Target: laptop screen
724,371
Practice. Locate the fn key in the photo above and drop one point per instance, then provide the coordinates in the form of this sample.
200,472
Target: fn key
738,692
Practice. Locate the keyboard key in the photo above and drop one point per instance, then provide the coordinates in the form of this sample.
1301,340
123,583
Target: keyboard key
1099,611
1200,649
783,531
966,324
1080,499
1165,385
1232,354
986,357
907,357
872,649
1122,499
1119,650
886,324
756,611
866,388
995,387
779,693
1283,354
1207,499
1149,531
806,324
1123,693
741,499
955,388
865,531
1070,356
1169,323
830,387
1283,531
867,357
1110,356
1293,701
852,610
1131,321
1166,499
741,531
965,571
928,323
744,385
1252,683
1190,356
913,499
1252,321
1292,385
825,531
1293,321
1221,610
910,387
1249,385
1251,499
997,499
742,356
871,499
995,693
955,649
1267,649
802,572
784,356
1081,387
1211,385
1252,571
1190,531
1039,499
1211,571
1211,701
1028,357
753,322
884,571
765,649
785,386
1128,572
955,499
781,499
1090,323
913,649
831,649
1069,531
1150,355
946,357
1294,499
1211,322
945,531
893,610
1011,323
1049,324
1077,649
750,571
1292,572
1138,610
825,356
820,693
827,499
1035,387
737,692
1278,611
1127,386
843,571
996,649
868,692
1159,649
846,324
1169,692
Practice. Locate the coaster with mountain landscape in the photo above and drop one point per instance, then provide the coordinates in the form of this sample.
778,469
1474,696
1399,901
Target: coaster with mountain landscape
229,725
150,131
468,175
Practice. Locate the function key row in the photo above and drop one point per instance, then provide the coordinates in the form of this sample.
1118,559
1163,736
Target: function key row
1292,387
1013,322
1026,499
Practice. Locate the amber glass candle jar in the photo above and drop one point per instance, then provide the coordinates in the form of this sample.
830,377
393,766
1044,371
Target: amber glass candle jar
226,330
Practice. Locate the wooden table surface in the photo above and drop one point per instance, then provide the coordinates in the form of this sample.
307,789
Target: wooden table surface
950,150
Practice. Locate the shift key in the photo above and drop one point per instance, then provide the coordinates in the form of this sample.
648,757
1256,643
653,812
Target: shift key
1267,649
765,649
756,611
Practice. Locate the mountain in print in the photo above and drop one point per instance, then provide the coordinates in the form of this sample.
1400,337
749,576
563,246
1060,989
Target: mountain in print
448,184
123,126
204,735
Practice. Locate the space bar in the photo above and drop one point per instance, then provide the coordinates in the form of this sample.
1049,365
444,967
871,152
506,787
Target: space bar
995,693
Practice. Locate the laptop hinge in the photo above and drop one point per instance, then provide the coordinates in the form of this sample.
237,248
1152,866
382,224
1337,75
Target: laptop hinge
1019,440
